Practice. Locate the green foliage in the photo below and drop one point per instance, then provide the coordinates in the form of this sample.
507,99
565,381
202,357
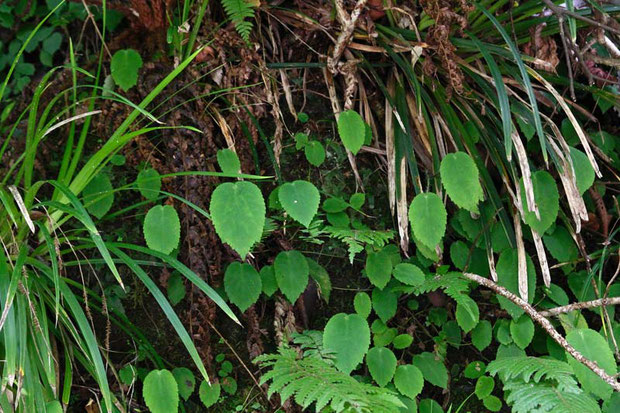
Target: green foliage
124,67
408,380
427,215
594,347
538,384
149,183
522,331
378,268
162,228
300,199
381,364
311,380
356,239
408,274
547,199
292,271
160,392
385,303
433,370
186,381
352,129
347,336
238,214
268,280
176,289
238,12
481,335
228,161
362,304
243,285
460,177
98,195
209,394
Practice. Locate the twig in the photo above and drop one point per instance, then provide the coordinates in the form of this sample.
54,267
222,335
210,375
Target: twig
580,306
561,11
347,32
547,326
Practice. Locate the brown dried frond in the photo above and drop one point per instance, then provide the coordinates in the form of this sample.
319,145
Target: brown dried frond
544,49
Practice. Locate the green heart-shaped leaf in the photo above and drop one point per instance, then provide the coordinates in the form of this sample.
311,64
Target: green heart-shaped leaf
242,284
238,214
162,228
381,364
292,271
348,337
300,199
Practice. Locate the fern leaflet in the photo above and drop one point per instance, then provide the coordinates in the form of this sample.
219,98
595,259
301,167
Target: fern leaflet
238,11
310,380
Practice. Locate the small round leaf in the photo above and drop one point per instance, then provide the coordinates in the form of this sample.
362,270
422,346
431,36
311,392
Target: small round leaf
242,284
348,337
381,364
352,130
209,395
228,161
408,380
124,67
292,272
238,214
149,183
300,199
160,392
428,216
162,228
362,304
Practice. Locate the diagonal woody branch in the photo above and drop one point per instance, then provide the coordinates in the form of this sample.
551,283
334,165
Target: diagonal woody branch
547,326
580,306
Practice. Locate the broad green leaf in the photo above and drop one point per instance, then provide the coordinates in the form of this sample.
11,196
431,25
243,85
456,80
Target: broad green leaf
467,313
315,153
561,245
522,331
381,365
348,337
301,140
434,371
429,406
547,199
229,385
99,195
482,335
460,177
268,280
162,228
362,304
334,205
228,161
300,199
209,394
492,403
357,200
402,341
352,130
52,43
160,392
507,276
176,289
484,386
379,268
427,215
408,380
384,302
408,274
149,183
185,381
128,374
124,67
238,215
584,173
320,275
593,347
474,370
292,271
242,284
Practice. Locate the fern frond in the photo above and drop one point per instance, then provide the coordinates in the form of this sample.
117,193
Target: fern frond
544,397
526,368
238,11
312,381
356,239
